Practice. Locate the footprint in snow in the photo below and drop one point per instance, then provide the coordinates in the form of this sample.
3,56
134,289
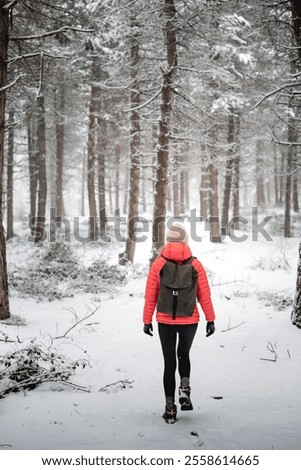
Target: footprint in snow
195,439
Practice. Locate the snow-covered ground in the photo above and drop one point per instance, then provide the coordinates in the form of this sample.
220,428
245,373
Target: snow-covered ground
245,378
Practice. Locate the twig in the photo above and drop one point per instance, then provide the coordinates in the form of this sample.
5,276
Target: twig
9,85
120,384
272,349
78,322
232,327
10,5
75,386
145,103
271,360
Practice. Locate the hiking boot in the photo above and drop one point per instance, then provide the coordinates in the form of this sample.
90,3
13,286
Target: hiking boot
170,414
184,398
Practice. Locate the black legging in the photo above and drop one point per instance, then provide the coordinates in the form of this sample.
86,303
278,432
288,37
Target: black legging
168,338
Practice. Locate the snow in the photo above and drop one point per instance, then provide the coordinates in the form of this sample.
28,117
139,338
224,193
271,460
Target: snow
245,378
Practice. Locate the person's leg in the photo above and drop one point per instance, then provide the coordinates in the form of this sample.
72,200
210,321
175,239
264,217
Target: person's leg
186,336
168,338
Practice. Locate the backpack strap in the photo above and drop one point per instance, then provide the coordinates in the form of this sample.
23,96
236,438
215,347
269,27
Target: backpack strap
175,294
185,261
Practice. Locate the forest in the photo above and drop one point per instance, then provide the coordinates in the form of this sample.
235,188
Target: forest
118,117
123,113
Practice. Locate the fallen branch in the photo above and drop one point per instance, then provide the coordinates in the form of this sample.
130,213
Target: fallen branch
119,385
232,327
272,349
79,321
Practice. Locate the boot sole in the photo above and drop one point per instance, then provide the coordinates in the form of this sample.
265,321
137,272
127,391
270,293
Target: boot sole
185,405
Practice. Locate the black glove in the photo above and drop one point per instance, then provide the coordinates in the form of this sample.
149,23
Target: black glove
210,328
148,328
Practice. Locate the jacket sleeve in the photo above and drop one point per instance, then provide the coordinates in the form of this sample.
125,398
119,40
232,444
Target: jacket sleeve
203,292
151,294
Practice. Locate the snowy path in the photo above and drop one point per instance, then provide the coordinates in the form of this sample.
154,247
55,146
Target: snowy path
260,404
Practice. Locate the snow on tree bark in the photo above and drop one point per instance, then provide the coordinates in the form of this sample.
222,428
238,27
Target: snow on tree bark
60,133
10,178
229,171
159,215
133,201
95,96
215,235
4,35
42,178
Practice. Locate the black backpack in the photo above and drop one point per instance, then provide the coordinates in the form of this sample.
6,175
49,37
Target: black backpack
178,285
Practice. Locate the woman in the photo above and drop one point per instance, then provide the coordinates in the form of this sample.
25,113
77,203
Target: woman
174,323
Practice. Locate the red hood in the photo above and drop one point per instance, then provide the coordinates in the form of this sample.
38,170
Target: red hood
177,251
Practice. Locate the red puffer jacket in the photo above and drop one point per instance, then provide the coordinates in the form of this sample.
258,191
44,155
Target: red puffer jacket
178,252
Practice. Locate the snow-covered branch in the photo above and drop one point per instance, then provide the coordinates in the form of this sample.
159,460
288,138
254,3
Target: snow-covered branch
9,85
146,103
33,54
272,93
10,5
51,33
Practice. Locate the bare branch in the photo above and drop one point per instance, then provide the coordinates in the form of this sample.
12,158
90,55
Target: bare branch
33,54
145,103
79,321
115,386
274,92
51,33
9,85
233,327
10,5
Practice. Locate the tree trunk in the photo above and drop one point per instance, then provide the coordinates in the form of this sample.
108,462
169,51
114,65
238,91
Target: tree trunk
187,194
182,191
59,133
276,177
215,235
95,96
260,198
117,150
295,189
175,184
289,171
135,130
33,169
10,178
282,177
159,215
82,205
236,169
101,170
296,312
42,179
229,172
204,186
126,190
4,22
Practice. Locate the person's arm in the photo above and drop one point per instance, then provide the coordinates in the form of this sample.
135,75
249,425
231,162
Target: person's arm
151,294
204,294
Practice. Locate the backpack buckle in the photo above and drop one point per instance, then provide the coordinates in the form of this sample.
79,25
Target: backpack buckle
175,292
